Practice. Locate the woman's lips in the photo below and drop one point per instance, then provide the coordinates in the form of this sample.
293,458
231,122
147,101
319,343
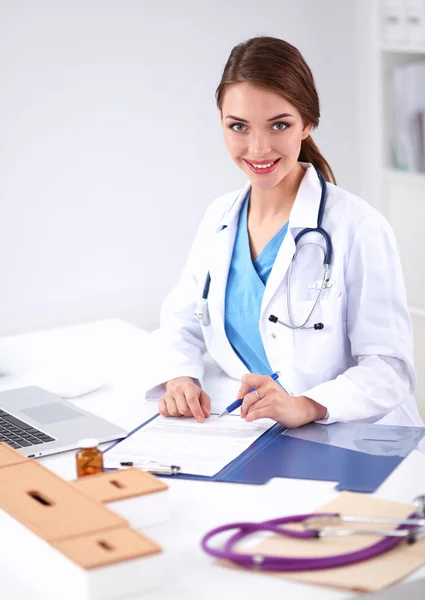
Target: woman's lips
262,170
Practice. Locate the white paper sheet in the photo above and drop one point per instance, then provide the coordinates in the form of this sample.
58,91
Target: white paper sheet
198,448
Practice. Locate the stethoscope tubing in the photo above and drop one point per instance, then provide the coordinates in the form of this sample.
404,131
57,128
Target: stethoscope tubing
281,563
202,311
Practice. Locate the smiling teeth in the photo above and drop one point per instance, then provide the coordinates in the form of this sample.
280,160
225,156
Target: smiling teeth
262,166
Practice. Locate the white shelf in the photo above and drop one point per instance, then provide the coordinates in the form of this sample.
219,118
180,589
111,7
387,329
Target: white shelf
399,48
405,177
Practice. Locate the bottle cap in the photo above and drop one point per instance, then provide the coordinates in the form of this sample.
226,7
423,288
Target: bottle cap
88,443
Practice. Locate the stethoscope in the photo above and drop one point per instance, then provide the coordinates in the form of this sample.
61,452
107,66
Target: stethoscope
201,310
410,529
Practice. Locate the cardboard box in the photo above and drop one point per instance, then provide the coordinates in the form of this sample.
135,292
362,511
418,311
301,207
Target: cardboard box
67,545
48,505
114,563
10,456
136,495
105,565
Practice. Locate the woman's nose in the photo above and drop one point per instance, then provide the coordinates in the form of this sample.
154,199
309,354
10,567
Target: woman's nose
260,145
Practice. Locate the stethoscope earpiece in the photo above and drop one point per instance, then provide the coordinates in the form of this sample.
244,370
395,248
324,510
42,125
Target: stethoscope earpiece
316,326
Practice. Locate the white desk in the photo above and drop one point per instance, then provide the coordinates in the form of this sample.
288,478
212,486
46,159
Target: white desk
118,349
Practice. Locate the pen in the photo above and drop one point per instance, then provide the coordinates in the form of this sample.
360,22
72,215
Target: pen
153,468
237,403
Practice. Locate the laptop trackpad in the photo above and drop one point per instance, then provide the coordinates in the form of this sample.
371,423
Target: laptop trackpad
51,413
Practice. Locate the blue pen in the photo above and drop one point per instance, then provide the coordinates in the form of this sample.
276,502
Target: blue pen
237,403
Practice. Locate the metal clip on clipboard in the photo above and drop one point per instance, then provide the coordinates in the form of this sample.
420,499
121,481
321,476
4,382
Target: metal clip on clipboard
152,467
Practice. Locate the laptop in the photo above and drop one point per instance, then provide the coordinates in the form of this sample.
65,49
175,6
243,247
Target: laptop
37,422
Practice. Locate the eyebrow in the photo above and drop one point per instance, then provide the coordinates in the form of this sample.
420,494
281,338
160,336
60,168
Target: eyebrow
282,116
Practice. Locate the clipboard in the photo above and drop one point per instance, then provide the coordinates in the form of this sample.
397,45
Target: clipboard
276,454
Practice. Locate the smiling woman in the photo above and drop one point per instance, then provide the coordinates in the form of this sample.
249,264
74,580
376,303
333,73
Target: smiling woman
262,251
257,143
267,146
259,63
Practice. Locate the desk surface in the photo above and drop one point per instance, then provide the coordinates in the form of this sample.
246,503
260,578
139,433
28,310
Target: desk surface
117,349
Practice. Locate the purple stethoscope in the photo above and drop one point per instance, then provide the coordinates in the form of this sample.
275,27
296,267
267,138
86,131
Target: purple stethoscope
410,529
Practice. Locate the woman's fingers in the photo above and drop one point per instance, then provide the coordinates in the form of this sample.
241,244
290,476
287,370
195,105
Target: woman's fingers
162,407
167,406
264,412
171,406
205,401
181,400
249,381
250,399
194,404
187,401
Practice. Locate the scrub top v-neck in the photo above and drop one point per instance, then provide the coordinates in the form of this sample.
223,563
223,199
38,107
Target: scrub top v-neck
246,283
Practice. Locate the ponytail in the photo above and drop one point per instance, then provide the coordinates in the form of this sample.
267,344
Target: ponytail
310,153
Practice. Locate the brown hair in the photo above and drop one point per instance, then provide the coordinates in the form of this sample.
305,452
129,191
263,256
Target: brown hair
276,65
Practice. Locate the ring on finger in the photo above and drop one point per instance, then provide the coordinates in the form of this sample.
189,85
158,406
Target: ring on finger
257,394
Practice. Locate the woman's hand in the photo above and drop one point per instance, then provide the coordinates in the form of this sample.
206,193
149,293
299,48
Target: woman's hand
184,398
270,401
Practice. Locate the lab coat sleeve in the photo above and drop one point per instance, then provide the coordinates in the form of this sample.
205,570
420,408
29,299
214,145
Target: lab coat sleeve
379,330
177,347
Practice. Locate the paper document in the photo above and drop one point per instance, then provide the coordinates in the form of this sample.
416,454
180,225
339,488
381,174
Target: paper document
198,448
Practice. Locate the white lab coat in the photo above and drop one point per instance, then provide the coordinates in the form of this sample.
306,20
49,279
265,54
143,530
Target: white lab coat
359,366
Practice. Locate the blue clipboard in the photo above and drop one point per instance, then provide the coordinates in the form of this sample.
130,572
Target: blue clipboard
275,454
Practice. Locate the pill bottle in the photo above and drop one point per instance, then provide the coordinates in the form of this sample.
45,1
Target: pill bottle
89,459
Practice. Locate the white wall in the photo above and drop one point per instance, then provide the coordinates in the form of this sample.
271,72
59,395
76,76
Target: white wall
110,143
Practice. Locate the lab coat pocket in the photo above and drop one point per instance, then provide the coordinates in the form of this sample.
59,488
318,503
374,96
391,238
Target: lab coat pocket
321,349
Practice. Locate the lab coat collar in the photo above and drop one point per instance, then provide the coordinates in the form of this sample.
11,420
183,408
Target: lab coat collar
234,209
304,211
306,206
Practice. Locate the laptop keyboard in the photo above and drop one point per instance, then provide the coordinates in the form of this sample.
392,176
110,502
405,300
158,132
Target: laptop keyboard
19,434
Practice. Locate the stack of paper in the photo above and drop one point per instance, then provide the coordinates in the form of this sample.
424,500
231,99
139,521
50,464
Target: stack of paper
197,448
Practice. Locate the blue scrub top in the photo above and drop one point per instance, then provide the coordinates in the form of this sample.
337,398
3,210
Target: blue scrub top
246,283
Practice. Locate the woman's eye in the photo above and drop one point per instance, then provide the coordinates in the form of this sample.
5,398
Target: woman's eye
237,127
280,126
